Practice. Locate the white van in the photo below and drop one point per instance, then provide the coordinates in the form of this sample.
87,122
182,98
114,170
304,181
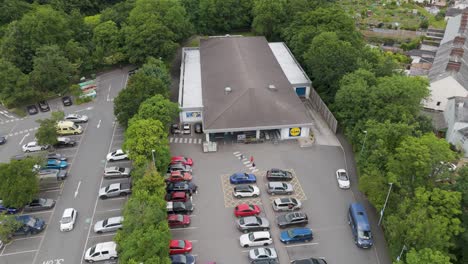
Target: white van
68,128
101,251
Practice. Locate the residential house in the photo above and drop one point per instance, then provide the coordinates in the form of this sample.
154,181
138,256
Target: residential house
456,117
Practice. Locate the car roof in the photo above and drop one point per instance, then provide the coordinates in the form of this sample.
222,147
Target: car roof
276,184
114,185
259,234
242,187
67,212
106,246
111,168
302,230
178,195
242,206
116,219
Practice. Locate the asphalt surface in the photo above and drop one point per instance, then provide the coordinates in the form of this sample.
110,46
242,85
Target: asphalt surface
80,189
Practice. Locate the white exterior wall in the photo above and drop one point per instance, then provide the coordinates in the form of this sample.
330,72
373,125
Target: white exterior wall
285,133
441,90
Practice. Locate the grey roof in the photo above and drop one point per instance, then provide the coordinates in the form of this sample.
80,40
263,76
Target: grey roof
451,31
426,54
437,118
451,12
461,109
246,65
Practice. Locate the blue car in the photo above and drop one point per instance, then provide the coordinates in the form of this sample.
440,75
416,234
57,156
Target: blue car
30,225
56,164
8,210
296,235
182,259
241,178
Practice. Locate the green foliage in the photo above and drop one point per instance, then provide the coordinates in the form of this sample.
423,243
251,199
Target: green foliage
223,16
52,70
413,44
19,184
12,10
158,108
47,132
15,87
118,12
7,227
268,18
426,255
461,186
107,43
156,68
144,135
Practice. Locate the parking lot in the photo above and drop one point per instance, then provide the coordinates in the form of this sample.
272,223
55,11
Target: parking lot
80,189
213,228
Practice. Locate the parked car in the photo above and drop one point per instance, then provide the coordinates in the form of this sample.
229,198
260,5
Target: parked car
44,106
56,156
30,225
177,197
68,219
57,173
116,172
175,129
182,159
179,247
309,261
178,176
262,254
114,190
32,109
187,129
39,204
343,179
264,261
278,175
243,191
117,155
253,223
34,146
274,188
108,225
101,251
179,167
291,219
67,101
242,177
2,140
76,118
260,238
296,235
179,207
183,186
132,72
182,259
63,142
56,164
178,220
246,210
198,128
7,210
286,204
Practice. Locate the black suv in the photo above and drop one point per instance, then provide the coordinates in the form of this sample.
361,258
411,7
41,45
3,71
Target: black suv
44,106
291,219
278,175
63,142
179,207
309,261
183,186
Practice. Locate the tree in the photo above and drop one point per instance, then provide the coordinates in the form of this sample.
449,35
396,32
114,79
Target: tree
139,88
461,186
107,43
12,10
47,132
152,182
158,108
327,60
19,184
144,135
52,70
156,68
426,255
8,226
269,18
15,88
118,12
223,16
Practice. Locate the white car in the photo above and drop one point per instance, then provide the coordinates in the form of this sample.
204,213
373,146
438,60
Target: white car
68,219
101,251
263,253
343,179
246,190
108,225
253,239
76,118
286,204
34,146
117,155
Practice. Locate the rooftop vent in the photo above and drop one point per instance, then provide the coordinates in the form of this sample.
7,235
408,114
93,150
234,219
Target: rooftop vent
227,90
271,87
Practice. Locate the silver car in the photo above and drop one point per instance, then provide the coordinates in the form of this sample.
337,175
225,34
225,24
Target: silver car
76,118
263,253
108,225
279,188
286,204
116,172
253,223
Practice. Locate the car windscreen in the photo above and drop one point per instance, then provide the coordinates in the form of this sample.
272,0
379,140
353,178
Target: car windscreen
364,234
31,222
66,220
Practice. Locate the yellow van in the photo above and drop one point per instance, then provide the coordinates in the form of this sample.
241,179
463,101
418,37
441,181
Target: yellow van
68,128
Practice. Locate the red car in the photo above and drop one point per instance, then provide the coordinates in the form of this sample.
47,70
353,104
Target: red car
177,176
182,159
246,210
178,220
179,247
177,197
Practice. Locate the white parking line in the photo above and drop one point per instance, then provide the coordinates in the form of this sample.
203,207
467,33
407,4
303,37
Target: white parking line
185,140
20,252
184,228
176,140
26,238
302,244
190,141
110,210
104,235
36,213
246,162
236,153
171,139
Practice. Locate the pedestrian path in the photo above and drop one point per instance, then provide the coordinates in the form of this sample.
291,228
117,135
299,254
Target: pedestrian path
185,140
248,163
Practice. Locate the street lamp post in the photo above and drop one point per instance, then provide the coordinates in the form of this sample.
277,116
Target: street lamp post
152,154
364,143
401,253
385,204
